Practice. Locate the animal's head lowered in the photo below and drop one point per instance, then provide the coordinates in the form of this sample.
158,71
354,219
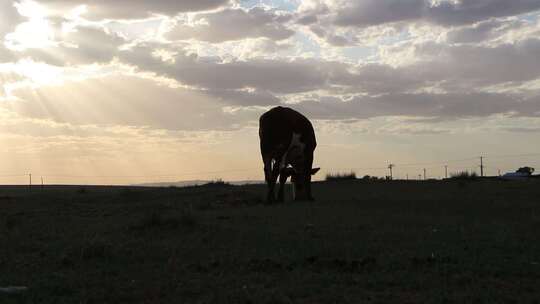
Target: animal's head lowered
301,180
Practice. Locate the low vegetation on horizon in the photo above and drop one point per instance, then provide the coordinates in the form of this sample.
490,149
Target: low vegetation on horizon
340,176
464,175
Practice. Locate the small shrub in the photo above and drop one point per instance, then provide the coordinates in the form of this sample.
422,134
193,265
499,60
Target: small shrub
340,176
370,178
464,175
217,183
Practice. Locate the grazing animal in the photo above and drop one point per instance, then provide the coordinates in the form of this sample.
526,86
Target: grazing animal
287,145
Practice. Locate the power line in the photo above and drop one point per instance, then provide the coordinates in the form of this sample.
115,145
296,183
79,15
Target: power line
420,165
436,162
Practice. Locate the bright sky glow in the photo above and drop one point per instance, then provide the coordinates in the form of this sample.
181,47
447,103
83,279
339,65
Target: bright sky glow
35,33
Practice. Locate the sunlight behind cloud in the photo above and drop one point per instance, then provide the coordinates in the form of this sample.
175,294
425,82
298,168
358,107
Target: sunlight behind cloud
38,73
35,33
31,9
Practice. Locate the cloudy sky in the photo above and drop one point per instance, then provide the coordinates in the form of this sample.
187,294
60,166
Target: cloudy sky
133,91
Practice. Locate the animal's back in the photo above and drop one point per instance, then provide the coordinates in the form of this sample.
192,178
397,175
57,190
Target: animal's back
276,128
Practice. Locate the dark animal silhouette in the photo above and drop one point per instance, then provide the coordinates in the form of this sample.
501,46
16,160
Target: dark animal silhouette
287,145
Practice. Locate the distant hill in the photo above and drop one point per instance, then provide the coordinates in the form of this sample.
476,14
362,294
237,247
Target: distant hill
195,183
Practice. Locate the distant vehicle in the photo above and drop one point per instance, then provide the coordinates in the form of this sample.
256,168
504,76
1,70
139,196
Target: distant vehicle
515,176
526,170
521,174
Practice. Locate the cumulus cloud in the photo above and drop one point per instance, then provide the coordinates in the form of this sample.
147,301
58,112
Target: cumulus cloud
9,17
81,45
477,33
442,72
5,55
451,77
133,9
445,106
450,68
453,68
276,76
233,24
495,31
470,66
374,12
365,13
344,23
523,130
470,11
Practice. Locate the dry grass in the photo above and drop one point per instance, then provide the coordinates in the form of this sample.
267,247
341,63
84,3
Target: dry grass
391,242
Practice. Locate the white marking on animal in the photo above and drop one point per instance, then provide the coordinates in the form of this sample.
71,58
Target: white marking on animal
294,153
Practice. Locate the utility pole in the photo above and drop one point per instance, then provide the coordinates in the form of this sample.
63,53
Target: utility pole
445,172
481,166
30,183
499,172
391,166
407,176
424,173
42,184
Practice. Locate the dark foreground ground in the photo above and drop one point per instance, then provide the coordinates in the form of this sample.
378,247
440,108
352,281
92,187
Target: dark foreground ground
378,242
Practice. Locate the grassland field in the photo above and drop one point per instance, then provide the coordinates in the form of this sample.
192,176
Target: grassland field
359,242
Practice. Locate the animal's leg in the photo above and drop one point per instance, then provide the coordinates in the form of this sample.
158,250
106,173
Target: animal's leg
267,168
268,178
309,164
308,190
271,176
283,175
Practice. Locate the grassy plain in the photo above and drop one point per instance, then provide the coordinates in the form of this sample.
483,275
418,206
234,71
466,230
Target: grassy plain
360,242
